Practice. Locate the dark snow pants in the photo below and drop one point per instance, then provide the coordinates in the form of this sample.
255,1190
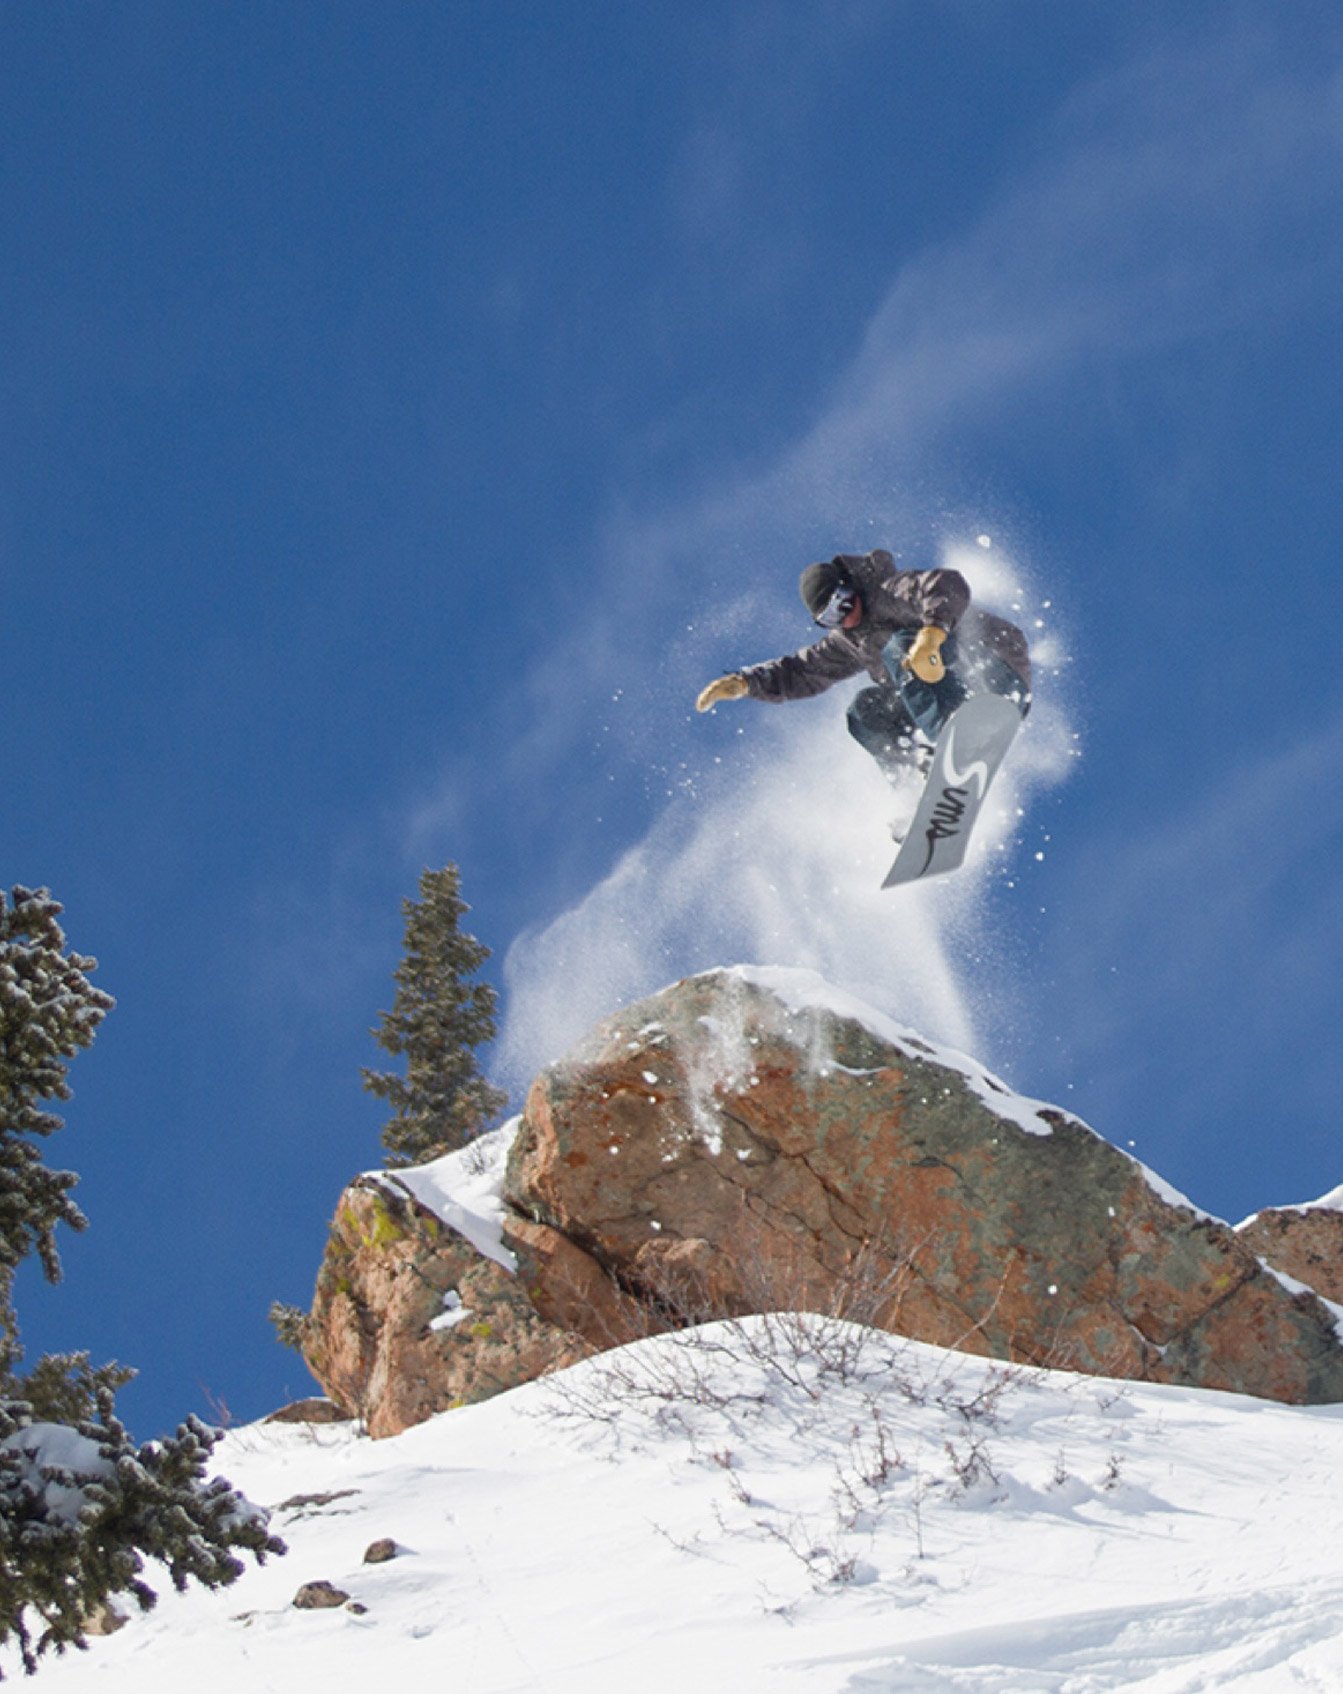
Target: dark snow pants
883,720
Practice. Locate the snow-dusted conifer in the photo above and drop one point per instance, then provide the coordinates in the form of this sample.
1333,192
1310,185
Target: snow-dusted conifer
438,1020
49,1010
81,1506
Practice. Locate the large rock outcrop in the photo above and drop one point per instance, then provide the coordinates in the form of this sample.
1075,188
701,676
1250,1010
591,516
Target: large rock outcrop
410,1317
753,1139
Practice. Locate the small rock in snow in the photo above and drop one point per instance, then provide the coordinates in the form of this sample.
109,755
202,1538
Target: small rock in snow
319,1596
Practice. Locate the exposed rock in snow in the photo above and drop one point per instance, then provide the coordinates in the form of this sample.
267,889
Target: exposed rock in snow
320,1596
1304,1241
376,1340
753,1139
316,1409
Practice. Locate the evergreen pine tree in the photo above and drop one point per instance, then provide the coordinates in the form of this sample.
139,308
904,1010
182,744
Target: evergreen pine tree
49,1010
81,1506
437,1021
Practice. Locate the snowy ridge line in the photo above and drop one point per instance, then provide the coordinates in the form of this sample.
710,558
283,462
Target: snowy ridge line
464,1190
1330,1202
804,990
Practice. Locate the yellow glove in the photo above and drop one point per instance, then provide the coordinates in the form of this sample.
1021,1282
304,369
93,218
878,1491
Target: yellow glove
725,688
925,656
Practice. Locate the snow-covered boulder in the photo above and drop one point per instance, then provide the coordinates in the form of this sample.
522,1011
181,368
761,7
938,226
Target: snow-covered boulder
418,1306
1305,1242
750,1139
789,1130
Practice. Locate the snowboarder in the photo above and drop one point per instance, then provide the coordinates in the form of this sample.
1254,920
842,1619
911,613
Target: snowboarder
917,636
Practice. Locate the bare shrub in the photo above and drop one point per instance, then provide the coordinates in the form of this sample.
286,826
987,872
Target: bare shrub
808,1331
807,1348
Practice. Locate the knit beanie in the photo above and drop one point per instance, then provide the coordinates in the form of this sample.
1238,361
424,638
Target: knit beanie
819,582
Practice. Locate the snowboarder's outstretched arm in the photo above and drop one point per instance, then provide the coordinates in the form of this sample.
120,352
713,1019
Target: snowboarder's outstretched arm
796,676
881,600
729,687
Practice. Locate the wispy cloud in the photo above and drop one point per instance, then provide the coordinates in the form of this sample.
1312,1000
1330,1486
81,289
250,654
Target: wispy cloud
1169,198
1225,888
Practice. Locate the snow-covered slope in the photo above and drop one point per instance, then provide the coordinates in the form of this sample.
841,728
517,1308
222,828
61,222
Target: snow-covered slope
750,1508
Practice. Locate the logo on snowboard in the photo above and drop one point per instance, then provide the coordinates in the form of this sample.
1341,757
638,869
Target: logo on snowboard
971,747
949,812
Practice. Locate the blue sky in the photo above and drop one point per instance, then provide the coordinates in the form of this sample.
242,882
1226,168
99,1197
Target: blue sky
405,409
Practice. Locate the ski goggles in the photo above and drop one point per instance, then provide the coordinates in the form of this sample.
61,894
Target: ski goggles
837,607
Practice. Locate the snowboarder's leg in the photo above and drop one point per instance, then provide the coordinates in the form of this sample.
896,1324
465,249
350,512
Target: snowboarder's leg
929,704
879,723
969,670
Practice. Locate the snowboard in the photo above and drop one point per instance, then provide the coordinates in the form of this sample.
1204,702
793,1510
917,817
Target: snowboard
973,744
